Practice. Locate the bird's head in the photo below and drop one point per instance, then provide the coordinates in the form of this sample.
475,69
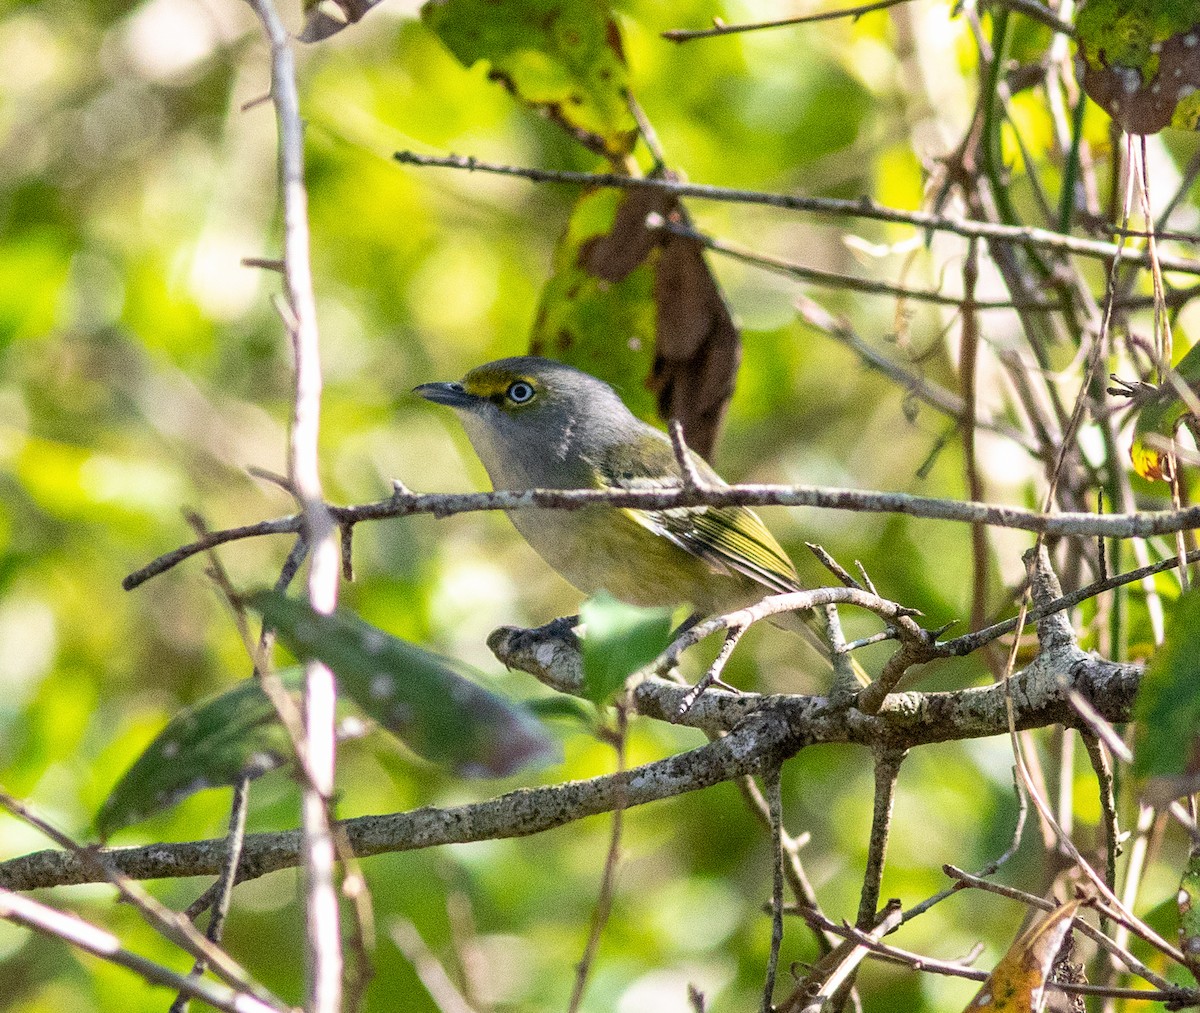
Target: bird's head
534,420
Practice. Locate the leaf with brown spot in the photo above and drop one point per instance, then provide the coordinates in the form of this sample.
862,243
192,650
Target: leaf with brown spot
1160,413
639,308
1018,983
560,57
597,313
1141,61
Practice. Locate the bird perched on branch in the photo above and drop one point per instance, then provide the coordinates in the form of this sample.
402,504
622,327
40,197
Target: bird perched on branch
540,424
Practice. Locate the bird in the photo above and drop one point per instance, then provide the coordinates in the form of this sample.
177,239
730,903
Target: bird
538,423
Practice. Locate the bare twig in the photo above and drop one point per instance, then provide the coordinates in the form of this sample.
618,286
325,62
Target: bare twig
223,888
774,794
432,975
887,771
1112,525
692,478
74,930
172,925
608,878
1120,952
865,208
719,28
323,935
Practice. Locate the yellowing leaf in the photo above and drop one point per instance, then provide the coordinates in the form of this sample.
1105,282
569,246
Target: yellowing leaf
1162,414
562,57
1018,983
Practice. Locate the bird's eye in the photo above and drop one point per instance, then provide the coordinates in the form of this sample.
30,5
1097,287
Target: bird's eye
520,392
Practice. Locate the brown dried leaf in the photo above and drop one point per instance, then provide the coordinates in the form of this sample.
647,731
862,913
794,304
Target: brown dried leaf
613,255
698,347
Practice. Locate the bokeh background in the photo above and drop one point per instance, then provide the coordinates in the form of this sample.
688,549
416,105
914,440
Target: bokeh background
142,369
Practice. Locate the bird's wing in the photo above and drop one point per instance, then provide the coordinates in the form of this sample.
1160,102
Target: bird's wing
730,539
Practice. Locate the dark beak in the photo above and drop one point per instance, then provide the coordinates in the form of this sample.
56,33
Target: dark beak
451,394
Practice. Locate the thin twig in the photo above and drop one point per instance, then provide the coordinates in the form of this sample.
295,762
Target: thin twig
774,793
608,877
428,969
172,925
223,888
864,208
887,771
719,28
833,279
74,930
1094,934
683,457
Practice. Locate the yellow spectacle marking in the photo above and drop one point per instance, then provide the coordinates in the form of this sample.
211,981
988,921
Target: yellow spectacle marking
492,382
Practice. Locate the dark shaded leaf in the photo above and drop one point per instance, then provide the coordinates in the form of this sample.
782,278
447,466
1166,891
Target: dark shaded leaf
565,707
697,346
320,24
1167,710
620,639
213,743
1142,61
1018,982
422,698
561,57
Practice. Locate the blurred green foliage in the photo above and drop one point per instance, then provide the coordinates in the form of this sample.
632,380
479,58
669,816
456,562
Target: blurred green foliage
142,369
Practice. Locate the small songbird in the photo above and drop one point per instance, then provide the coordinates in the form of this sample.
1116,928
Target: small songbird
540,424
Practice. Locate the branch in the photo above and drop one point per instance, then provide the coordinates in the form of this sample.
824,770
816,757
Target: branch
402,504
863,208
719,28
762,730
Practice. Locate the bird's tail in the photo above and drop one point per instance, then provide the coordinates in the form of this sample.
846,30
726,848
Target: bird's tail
849,675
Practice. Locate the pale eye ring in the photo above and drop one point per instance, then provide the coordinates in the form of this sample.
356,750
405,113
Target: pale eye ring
520,392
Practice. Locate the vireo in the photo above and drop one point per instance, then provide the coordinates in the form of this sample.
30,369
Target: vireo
540,424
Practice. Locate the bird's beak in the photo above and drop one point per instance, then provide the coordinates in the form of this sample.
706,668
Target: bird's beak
452,393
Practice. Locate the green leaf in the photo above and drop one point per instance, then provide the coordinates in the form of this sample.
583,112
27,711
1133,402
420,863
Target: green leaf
1140,61
620,639
423,699
561,57
215,742
1167,712
566,708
